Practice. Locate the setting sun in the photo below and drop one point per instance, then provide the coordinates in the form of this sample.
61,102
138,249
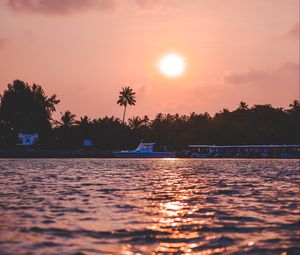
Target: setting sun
171,65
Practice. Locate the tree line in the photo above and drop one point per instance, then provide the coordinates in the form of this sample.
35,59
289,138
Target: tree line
26,108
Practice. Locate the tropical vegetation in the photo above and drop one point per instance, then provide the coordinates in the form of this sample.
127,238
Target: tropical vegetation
27,109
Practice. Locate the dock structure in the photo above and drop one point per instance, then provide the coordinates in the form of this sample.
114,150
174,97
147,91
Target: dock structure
244,151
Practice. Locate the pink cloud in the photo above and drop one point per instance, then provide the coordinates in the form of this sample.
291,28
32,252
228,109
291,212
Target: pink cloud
294,32
60,7
147,4
252,75
289,69
153,5
3,42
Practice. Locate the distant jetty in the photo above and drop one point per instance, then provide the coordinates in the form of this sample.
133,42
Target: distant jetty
193,151
244,151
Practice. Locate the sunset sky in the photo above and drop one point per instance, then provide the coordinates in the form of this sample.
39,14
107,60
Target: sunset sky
86,50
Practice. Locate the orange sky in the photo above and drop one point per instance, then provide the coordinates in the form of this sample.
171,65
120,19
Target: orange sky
86,50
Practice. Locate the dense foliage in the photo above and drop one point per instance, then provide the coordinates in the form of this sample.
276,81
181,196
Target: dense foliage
26,109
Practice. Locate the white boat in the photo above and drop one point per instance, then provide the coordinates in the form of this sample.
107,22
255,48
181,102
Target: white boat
144,150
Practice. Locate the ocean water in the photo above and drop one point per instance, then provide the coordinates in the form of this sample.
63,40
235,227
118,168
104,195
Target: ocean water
152,206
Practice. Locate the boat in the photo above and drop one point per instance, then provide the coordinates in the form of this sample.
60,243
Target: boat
144,150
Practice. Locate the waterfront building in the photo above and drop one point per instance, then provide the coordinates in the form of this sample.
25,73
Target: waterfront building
27,139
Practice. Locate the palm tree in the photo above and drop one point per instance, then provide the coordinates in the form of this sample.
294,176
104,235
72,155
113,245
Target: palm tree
294,107
126,97
67,119
135,122
243,106
146,121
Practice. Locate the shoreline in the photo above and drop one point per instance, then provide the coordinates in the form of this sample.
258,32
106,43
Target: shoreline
80,153
33,153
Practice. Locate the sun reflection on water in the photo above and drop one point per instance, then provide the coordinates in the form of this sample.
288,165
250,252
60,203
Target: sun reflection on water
175,218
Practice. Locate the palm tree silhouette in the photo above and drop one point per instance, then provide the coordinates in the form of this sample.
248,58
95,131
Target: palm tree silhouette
135,122
67,119
126,97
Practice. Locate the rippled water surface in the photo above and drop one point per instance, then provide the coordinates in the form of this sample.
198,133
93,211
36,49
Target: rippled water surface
154,206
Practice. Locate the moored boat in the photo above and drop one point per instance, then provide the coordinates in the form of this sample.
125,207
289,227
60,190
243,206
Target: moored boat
144,150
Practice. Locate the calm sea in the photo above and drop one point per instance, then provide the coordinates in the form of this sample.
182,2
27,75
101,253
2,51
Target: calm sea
153,206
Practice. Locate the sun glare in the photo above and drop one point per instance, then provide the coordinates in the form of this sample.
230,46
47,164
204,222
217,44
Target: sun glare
171,65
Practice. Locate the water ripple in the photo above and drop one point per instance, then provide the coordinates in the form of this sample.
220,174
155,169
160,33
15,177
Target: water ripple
98,206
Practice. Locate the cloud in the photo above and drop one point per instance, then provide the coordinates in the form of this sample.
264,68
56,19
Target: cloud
144,89
60,7
153,5
67,7
3,42
288,71
147,4
294,32
290,67
251,75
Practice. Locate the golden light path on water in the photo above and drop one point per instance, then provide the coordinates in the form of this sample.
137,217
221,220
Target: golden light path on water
149,206
175,220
